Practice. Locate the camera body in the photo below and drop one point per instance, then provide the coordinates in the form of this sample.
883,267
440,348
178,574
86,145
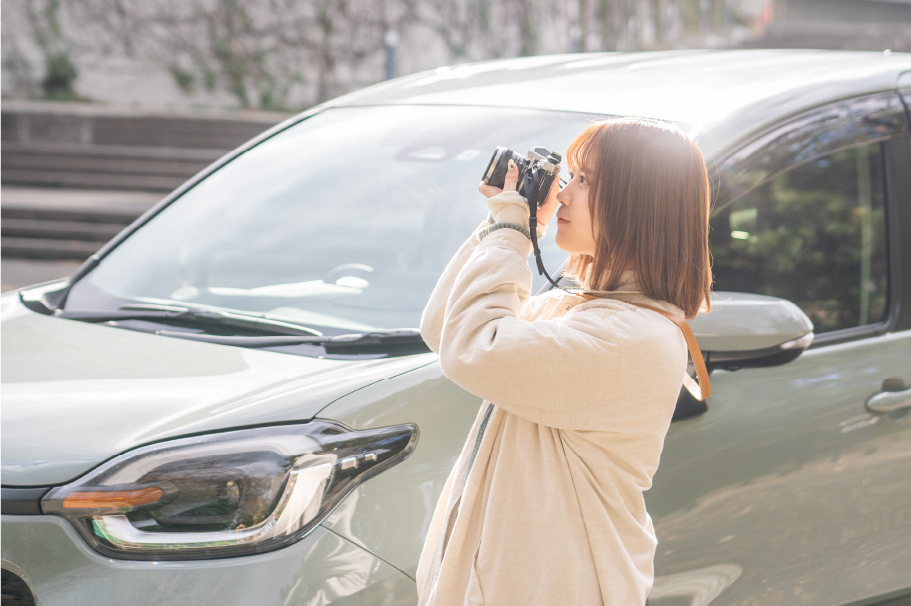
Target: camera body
537,171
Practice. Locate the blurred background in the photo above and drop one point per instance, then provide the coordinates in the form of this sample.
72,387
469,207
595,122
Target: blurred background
109,104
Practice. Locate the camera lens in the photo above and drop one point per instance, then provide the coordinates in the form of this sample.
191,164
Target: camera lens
499,163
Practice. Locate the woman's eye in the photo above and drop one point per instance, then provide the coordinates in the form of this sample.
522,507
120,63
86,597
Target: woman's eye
582,179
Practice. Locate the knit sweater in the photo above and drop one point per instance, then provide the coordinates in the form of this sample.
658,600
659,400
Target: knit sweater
545,503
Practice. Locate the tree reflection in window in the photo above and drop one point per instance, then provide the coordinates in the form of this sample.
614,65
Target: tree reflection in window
814,235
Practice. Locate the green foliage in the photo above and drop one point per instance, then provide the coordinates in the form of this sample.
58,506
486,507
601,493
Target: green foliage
60,75
59,71
813,236
184,79
209,79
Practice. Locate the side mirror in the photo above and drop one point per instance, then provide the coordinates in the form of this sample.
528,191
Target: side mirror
749,331
746,331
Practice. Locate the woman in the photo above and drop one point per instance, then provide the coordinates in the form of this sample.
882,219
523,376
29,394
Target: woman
544,505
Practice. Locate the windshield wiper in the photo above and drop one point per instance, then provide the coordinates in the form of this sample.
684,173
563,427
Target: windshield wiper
367,339
205,318
273,333
385,341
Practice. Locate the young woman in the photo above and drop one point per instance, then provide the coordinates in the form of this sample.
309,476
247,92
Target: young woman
544,505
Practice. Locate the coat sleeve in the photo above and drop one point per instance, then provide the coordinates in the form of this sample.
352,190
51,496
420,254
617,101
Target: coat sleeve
432,316
552,372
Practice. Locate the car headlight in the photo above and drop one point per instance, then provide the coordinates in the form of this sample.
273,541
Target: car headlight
228,494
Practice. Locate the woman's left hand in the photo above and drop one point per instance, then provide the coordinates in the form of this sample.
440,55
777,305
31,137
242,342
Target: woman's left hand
510,184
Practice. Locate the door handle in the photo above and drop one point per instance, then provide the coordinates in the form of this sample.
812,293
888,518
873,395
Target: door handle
895,395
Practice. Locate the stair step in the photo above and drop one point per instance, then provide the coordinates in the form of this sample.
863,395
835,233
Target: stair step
100,125
84,205
177,132
99,215
42,178
29,248
60,230
100,164
114,152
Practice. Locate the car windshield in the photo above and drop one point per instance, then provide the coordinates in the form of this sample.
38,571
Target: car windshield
342,222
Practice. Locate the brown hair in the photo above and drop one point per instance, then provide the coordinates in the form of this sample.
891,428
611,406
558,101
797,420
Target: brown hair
649,198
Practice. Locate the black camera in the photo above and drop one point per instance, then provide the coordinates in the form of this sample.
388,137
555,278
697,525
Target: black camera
537,171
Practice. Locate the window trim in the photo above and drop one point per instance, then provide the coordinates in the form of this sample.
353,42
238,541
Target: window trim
898,203
893,253
893,108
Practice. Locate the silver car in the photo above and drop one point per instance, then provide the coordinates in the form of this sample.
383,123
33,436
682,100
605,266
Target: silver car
229,403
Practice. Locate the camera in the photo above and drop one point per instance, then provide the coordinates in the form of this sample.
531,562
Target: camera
537,171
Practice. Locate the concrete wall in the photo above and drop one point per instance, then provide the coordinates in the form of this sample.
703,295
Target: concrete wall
294,53
847,12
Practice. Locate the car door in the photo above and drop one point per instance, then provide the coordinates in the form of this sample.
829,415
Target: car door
790,489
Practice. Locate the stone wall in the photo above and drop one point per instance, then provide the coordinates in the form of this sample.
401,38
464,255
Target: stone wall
290,54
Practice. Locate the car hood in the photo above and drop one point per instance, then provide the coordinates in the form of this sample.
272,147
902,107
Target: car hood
75,394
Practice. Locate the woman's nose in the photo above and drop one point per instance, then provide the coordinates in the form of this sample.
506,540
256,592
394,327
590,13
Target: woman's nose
561,195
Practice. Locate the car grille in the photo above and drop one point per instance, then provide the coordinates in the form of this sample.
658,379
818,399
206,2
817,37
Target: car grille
14,591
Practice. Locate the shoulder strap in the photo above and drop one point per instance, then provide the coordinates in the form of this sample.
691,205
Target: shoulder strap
704,388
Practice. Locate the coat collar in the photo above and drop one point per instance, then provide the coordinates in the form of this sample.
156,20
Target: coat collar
628,289
628,285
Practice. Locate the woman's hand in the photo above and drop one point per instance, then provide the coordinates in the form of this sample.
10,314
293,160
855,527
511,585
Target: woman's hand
550,206
510,184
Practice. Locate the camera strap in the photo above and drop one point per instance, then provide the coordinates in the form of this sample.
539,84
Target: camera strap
703,389
530,184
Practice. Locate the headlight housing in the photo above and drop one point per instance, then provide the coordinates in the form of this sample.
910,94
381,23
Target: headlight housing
229,494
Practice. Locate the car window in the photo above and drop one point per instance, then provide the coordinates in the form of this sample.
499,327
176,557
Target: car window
801,212
815,235
343,221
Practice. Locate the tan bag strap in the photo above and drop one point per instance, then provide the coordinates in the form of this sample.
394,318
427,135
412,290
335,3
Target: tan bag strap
704,389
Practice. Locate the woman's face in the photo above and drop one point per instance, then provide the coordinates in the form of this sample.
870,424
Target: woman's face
575,233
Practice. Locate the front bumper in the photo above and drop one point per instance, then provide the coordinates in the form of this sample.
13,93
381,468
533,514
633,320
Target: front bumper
321,569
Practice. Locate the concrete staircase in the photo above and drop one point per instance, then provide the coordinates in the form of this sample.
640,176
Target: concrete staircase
75,175
65,223
102,166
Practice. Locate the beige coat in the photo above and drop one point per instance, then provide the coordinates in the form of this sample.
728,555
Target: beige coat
551,511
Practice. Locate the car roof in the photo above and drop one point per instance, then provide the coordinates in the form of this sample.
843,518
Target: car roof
718,96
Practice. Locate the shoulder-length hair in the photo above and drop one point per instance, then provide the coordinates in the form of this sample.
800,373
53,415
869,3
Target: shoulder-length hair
649,197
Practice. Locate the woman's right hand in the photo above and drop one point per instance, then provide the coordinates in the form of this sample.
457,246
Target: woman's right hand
546,212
